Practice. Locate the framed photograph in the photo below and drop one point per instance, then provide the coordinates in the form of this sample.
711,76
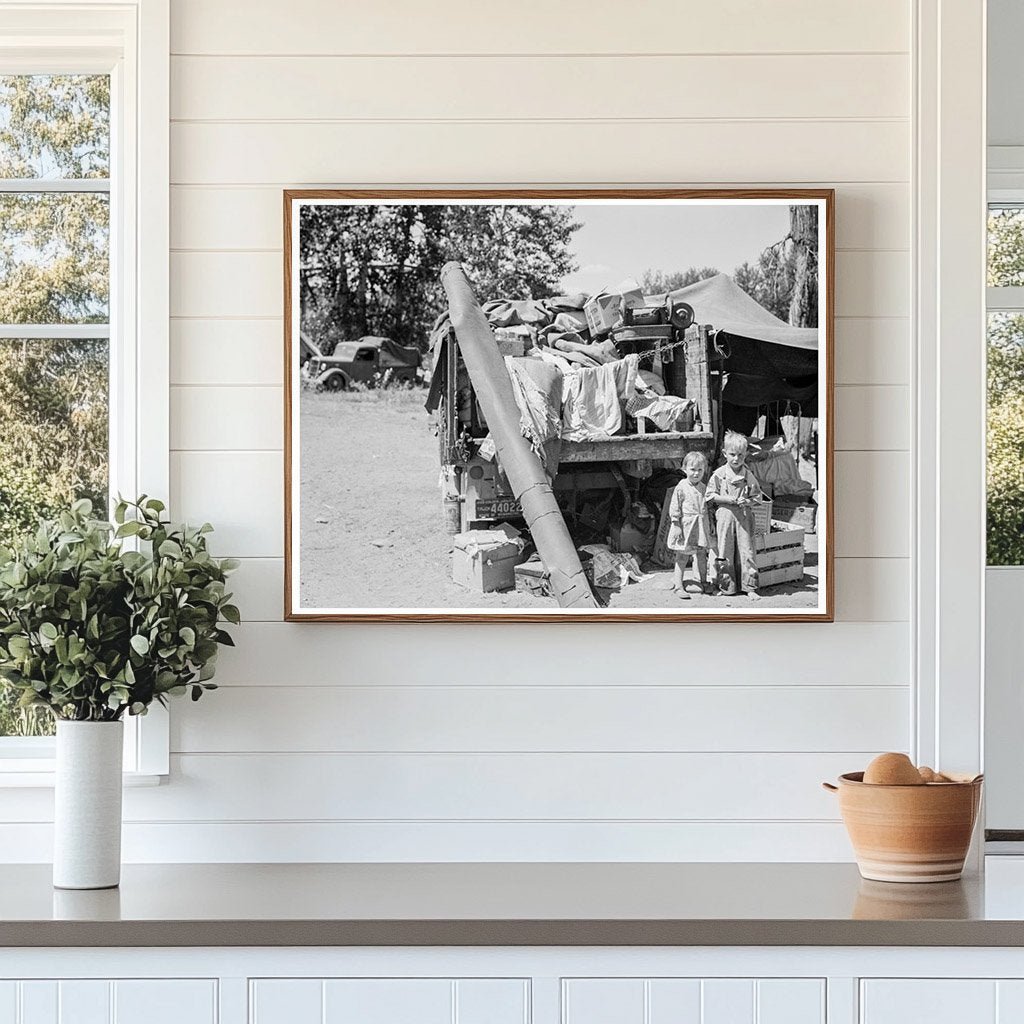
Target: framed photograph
559,405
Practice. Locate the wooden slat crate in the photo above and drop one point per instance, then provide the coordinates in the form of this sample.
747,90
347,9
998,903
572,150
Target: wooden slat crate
779,557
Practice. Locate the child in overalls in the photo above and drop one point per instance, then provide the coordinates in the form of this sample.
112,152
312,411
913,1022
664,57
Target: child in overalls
731,491
690,533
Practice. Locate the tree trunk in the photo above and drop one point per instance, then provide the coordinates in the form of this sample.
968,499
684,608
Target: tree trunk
803,232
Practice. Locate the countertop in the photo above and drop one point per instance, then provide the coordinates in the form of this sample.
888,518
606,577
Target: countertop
559,904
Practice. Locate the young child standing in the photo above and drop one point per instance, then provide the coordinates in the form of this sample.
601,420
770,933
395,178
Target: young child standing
690,533
730,492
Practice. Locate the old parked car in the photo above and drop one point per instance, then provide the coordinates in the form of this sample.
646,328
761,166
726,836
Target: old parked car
369,360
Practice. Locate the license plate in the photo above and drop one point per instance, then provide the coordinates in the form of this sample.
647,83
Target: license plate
498,507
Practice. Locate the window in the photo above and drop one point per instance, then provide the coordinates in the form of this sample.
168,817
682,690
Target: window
1005,477
84,123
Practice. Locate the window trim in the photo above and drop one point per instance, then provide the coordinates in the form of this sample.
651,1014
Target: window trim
129,40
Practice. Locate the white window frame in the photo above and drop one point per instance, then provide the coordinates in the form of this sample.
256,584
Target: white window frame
130,41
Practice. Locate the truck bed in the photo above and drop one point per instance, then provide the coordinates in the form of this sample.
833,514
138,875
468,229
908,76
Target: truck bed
627,447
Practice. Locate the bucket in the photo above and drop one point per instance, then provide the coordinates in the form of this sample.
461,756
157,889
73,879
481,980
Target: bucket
909,833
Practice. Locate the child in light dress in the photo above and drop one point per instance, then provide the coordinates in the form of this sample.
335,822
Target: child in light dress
690,533
731,491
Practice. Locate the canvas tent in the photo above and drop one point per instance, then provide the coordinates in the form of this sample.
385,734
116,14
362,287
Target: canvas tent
766,360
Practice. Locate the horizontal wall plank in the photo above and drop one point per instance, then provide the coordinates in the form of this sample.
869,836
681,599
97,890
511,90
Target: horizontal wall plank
873,504
867,589
244,352
873,284
241,493
233,418
872,418
250,284
539,88
280,654
873,216
735,152
412,787
872,350
370,719
872,496
873,589
730,26
454,842
251,418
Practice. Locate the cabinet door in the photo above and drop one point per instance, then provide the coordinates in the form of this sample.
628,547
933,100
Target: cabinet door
693,1001
104,1001
388,1000
941,1001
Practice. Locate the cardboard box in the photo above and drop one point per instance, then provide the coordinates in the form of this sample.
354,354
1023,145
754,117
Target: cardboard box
485,560
604,310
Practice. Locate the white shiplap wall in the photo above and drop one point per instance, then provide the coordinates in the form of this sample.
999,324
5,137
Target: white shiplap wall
535,742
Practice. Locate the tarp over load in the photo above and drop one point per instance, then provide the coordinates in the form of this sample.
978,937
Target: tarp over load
767,359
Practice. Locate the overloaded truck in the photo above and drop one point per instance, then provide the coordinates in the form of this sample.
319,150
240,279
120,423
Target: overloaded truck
491,474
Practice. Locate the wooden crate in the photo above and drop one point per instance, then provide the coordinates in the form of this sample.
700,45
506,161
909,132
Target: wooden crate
779,557
795,511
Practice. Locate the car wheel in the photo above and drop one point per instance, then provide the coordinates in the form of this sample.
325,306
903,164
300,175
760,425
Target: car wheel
335,383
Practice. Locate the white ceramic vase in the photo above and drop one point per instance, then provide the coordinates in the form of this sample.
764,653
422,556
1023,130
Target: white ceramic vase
87,807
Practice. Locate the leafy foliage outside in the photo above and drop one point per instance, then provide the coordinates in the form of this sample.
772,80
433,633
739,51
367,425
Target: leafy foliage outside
54,269
91,631
375,269
1005,478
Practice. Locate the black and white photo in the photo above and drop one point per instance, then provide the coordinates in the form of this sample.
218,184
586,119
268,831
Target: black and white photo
559,405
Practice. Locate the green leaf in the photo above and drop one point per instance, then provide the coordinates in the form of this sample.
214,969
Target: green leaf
170,549
140,644
231,613
49,631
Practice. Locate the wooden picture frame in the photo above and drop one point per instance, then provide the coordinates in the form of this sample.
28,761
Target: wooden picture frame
370,560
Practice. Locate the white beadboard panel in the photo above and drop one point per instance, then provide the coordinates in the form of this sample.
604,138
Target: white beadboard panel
211,418
935,1000
873,283
603,1001
85,1002
872,589
872,494
280,653
286,88
241,493
258,586
150,1001
460,787
727,1001
549,718
388,1001
872,350
327,842
873,504
546,151
39,1002
673,1001
242,284
730,26
286,1001
492,1001
873,216
790,1000
9,1002
868,418
867,589
220,352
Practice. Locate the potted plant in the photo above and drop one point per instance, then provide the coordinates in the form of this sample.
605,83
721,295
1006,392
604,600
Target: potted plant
99,620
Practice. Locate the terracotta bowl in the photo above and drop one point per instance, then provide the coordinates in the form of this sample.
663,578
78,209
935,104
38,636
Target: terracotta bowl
909,833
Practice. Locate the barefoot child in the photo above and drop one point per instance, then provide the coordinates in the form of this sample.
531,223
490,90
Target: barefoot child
730,492
690,534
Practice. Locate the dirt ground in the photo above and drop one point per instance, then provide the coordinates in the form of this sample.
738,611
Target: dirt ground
371,522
